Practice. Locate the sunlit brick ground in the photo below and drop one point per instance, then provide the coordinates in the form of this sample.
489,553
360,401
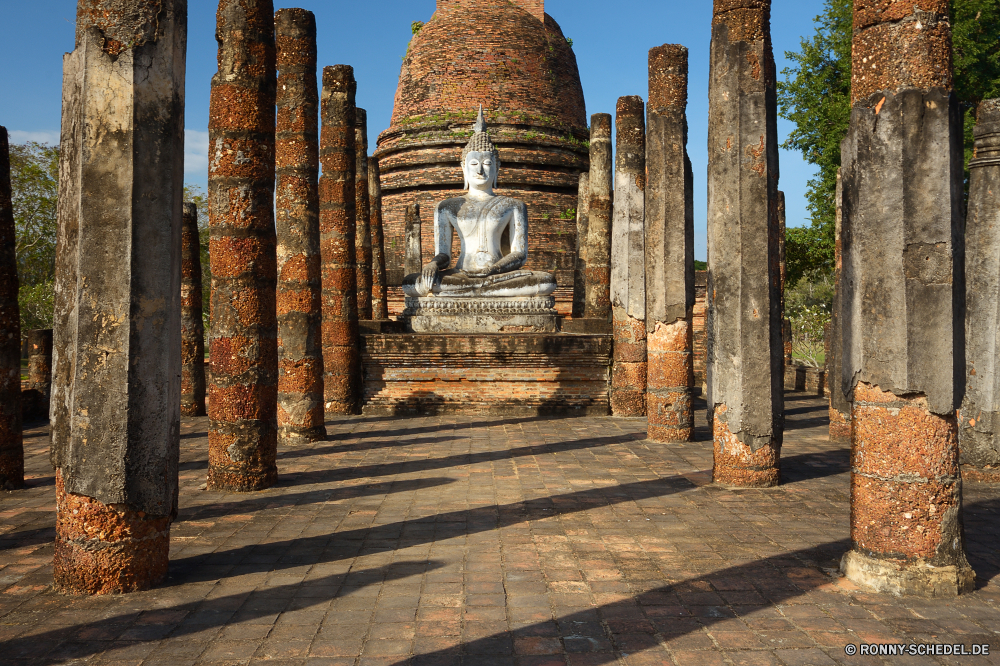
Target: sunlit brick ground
489,541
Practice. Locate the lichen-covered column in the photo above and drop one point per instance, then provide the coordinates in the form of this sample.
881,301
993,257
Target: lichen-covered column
115,403
412,261
840,404
243,392
300,350
628,275
903,302
580,274
669,249
363,239
337,192
380,295
598,249
979,433
40,361
192,323
745,357
11,444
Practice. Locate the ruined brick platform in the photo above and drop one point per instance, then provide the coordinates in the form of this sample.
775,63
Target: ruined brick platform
524,374
484,541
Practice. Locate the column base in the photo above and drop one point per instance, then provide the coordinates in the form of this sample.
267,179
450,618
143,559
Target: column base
241,480
193,409
975,474
295,436
907,578
107,549
12,469
737,465
840,427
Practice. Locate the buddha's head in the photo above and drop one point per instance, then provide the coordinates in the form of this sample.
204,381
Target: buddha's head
480,159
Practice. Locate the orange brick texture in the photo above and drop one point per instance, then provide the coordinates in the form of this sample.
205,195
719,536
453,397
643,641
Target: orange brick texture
107,549
380,311
337,229
514,60
486,374
300,352
363,230
11,444
243,391
669,250
192,323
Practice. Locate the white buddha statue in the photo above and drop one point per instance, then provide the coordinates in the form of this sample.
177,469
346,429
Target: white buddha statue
493,231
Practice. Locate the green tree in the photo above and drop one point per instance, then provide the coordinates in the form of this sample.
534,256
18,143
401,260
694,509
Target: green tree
34,177
816,95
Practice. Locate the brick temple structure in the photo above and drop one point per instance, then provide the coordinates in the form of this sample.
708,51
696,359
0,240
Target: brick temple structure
530,90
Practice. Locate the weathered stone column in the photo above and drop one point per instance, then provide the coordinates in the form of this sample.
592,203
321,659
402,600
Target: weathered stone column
115,405
192,323
670,293
903,302
380,295
628,274
11,444
40,362
580,274
979,434
786,324
745,360
363,239
598,249
243,392
413,261
300,319
337,192
840,403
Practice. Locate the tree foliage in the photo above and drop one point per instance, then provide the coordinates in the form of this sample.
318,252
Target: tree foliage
816,95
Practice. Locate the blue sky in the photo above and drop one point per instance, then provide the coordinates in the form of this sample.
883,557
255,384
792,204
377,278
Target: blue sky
611,41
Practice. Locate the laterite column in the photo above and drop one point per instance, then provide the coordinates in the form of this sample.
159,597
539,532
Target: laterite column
413,261
669,249
300,350
11,445
598,250
363,239
840,404
40,362
116,362
243,392
337,192
903,302
628,275
192,323
979,433
580,274
745,355
380,304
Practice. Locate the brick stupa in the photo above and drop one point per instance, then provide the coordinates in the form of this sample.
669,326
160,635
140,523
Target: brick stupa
513,59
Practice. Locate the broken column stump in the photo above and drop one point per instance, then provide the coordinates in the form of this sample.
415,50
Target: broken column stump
380,295
670,293
580,272
116,361
363,238
840,402
337,227
300,350
40,362
598,250
243,392
192,322
11,443
745,355
413,261
628,275
979,425
903,290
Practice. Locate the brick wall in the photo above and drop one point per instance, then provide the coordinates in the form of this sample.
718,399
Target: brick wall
698,326
534,7
516,374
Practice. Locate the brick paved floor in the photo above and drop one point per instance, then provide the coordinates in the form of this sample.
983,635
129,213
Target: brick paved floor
488,541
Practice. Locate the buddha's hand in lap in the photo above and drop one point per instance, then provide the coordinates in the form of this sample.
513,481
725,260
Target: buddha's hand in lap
425,283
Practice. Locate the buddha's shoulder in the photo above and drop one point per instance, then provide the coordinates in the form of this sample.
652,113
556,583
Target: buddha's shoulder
451,205
507,203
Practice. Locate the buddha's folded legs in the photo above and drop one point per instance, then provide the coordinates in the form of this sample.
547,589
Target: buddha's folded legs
457,283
